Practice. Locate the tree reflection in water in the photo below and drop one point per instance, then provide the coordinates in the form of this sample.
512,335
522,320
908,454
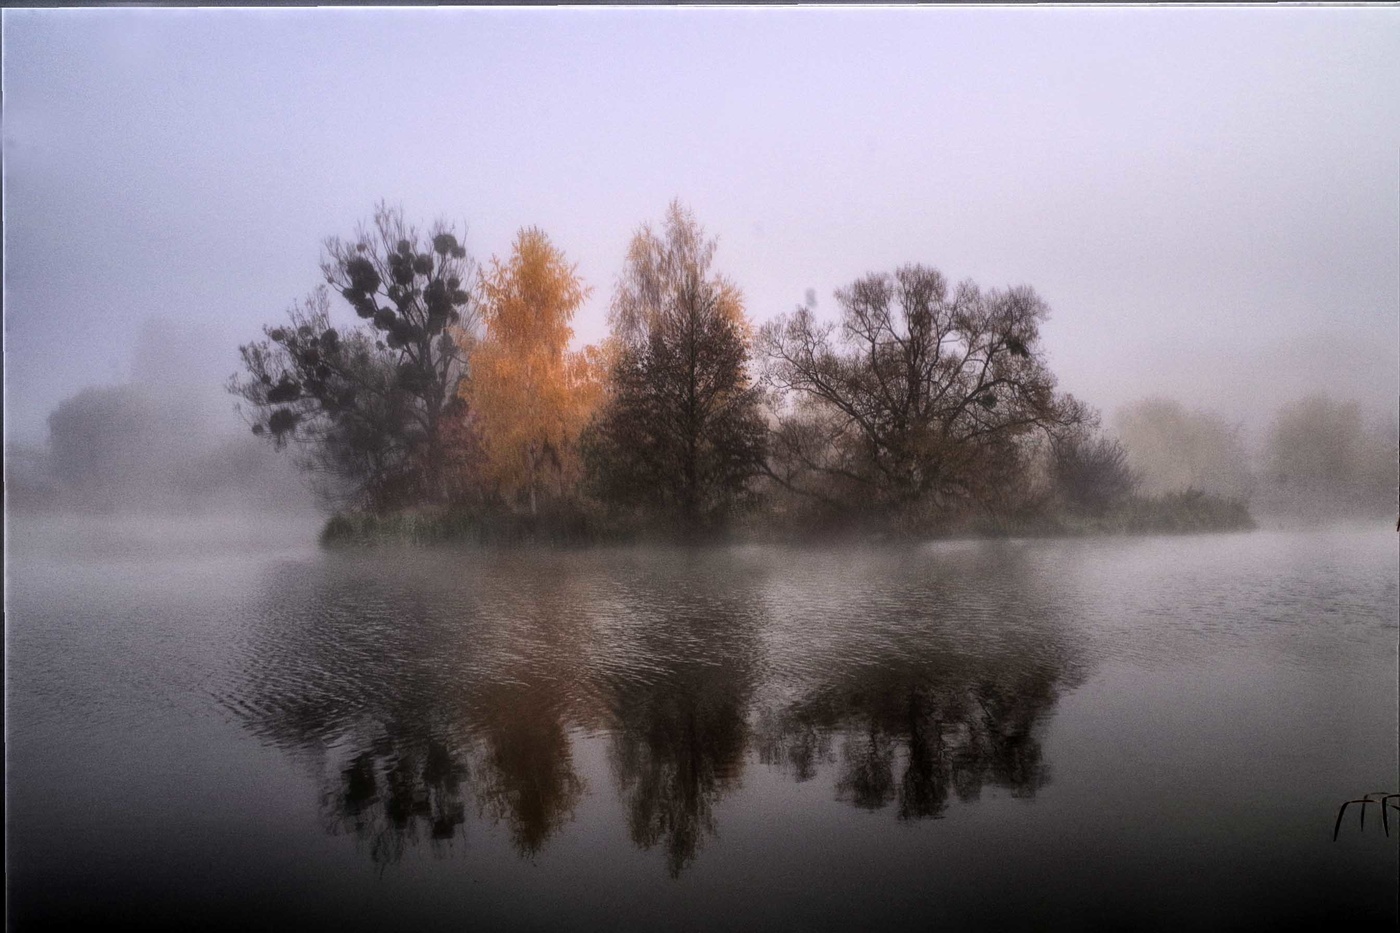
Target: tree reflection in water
679,746
914,740
386,792
391,681
527,769
679,721
428,688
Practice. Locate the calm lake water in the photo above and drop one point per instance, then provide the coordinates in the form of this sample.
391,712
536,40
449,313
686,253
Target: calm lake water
1125,732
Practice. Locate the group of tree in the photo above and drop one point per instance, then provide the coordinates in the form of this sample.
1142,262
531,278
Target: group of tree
458,402
1318,459
459,391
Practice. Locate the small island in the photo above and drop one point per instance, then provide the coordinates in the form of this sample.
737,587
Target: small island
456,409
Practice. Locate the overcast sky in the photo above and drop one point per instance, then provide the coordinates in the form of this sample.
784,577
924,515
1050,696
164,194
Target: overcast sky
1209,199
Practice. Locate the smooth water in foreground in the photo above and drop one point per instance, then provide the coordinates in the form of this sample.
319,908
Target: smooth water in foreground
1126,732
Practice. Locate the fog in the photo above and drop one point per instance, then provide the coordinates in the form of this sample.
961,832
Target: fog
1205,198
1319,460
625,467
165,441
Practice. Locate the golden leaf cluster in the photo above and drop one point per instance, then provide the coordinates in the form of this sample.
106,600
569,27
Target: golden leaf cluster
530,396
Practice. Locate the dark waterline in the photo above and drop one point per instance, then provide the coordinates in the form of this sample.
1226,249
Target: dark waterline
1150,732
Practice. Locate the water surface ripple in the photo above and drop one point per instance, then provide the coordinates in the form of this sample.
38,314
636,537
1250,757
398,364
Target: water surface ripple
1135,732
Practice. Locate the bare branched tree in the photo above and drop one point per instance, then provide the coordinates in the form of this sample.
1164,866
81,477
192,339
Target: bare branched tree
916,399
1091,471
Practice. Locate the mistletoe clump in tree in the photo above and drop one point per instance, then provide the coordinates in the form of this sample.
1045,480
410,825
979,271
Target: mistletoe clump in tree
373,409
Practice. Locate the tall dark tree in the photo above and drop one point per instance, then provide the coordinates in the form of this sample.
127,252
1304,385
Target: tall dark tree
919,400
680,434
371,406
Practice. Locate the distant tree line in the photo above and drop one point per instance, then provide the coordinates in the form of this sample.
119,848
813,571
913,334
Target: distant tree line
457,406
1319,458
160,440
137,447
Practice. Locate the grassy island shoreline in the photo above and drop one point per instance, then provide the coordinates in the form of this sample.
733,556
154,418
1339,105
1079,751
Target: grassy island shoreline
1188,512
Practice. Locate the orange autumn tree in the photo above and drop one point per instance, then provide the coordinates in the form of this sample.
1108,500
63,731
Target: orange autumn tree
528,394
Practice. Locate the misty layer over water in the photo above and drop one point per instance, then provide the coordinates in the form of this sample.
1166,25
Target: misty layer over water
1132,731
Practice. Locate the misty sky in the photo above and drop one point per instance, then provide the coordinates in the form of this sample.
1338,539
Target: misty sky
1209,199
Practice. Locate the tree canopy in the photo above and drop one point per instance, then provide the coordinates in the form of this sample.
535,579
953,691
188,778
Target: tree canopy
680,430
369,406
529,395
917,397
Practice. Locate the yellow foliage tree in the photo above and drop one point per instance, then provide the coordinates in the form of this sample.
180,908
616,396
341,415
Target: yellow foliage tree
528,394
